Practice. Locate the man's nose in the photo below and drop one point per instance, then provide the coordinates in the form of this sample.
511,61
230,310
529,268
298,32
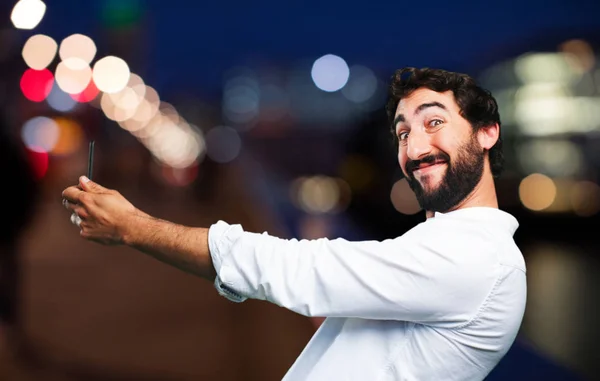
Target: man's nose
418,146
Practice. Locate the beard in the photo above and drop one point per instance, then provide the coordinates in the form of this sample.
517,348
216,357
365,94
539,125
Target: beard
461,177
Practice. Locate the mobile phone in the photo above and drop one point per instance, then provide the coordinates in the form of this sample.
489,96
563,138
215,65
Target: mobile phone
90,160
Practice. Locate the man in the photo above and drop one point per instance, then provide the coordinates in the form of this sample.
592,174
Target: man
444,301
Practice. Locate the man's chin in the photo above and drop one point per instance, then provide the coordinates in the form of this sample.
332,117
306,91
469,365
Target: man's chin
429,185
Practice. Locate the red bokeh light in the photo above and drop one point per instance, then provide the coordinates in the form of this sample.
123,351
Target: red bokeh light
39,162
36,84
179,176
87,95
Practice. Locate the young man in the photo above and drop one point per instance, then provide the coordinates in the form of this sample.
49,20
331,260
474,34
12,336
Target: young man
444,301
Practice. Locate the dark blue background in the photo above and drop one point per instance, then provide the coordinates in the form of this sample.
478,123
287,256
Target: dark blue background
188,45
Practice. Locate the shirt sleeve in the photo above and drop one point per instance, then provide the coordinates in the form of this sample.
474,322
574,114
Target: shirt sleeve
408,278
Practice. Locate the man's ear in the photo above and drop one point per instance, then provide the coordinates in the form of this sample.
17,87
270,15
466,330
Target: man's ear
488,136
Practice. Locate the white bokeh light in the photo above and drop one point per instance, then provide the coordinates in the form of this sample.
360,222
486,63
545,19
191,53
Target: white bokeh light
27,14
330,73
78,46
73,75
177,146
39,51
111,74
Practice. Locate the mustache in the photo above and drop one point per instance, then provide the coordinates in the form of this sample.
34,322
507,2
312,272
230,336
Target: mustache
412,165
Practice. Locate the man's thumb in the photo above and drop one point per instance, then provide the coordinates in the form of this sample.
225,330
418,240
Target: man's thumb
90,186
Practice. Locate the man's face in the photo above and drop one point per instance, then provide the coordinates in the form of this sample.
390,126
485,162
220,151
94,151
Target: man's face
438,152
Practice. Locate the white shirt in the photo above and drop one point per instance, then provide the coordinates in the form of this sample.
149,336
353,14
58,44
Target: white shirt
444,301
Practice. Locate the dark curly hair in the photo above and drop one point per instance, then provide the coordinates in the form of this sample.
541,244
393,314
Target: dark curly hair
476,104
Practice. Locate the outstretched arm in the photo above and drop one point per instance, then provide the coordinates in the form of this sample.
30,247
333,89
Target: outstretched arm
108,218
412,278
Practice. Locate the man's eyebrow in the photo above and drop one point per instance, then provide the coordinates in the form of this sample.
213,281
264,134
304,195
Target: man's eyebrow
429,105
400,118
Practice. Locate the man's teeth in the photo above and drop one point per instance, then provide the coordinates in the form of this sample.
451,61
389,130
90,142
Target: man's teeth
429,165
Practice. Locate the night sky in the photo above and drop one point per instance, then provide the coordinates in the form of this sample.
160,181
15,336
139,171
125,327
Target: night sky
190,44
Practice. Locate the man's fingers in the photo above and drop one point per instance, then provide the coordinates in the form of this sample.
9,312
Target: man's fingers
77,209
75,219
72,194
69,205
90,186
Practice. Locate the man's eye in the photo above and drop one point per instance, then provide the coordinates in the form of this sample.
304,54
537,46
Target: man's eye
435,122
403,136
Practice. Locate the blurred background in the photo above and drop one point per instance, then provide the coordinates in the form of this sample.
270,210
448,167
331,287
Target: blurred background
270,114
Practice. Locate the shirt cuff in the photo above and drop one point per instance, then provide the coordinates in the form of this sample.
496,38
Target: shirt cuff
219,244
228,293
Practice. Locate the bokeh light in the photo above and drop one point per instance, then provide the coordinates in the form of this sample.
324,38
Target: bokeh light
579,54
148,107
38,160
130,97
111,74
124,104
70,137
155,124
179,177
537,192
168,111
27,14
223,144
403,198
113,111
60,101
36,84
362,84
180,150
554,157
73,75
142,116
543,68
330,73
177,145
316,194
78,46
241,98
144,113
88,94
40,134
585,198
39,51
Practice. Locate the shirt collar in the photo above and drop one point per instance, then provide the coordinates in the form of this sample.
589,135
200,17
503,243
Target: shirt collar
493,215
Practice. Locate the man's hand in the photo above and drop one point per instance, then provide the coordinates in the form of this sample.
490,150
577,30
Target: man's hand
105,216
